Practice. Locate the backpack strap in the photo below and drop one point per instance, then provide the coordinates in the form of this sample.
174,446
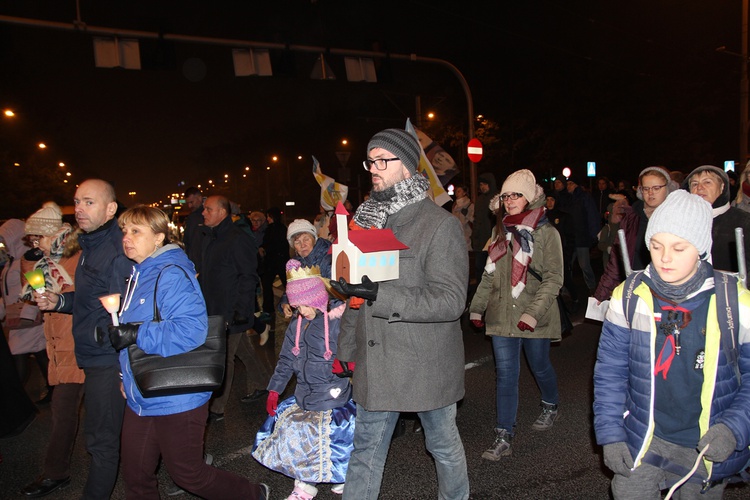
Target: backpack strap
727,309
628,300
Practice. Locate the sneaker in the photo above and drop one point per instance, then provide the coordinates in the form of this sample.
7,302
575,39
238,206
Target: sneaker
264,335
338,488
547,419
302,491
173,490
500,448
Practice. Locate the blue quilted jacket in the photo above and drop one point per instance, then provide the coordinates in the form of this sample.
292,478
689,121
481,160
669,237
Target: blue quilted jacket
624,380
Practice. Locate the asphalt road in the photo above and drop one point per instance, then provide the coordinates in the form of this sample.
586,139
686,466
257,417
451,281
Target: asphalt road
563,463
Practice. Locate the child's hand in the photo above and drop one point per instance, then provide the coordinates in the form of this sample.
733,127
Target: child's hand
272,402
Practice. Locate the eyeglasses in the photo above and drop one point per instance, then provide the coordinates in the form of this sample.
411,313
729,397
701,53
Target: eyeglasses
652,189
379,163
512,196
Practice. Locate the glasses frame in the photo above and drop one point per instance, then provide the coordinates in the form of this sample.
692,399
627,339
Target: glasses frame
512,196
368,163
652,189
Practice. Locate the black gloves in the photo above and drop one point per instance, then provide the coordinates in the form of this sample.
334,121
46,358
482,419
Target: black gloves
123,335
618,459
721,443
367,290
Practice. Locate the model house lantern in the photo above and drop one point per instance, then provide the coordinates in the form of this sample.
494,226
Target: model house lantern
370,252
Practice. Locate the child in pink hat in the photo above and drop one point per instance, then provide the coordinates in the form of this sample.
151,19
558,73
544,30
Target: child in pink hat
316,425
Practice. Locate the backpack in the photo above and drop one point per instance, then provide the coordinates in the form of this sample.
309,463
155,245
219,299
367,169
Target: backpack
725,286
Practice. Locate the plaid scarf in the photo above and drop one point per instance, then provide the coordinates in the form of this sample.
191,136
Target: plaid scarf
375,211
517,228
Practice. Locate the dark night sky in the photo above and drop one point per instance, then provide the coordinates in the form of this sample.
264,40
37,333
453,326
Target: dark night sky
628,84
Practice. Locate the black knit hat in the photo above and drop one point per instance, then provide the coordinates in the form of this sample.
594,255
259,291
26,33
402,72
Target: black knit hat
399,142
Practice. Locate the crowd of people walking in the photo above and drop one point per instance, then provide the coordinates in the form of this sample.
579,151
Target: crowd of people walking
672,375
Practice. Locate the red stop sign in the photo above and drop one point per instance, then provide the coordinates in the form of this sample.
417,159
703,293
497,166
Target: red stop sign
474,150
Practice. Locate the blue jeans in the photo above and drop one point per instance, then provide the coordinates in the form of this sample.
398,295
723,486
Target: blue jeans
508,365
372,438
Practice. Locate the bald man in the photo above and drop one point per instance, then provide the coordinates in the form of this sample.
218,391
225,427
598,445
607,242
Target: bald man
102,270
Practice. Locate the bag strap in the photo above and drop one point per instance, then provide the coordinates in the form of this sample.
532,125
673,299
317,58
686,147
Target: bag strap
157,315
727,308
534,273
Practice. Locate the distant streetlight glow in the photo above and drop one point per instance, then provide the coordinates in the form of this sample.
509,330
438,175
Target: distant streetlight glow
9,113
431,115
68,174
42,145
61,164
344,142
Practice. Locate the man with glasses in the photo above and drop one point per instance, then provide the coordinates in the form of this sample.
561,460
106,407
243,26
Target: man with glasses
406,337
712,184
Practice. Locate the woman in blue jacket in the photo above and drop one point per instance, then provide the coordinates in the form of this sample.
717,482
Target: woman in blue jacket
168,426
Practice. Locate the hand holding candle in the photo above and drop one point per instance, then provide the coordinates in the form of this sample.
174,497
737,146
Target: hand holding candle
112,303
35,279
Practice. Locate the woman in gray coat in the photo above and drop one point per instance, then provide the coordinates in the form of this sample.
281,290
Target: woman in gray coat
518,296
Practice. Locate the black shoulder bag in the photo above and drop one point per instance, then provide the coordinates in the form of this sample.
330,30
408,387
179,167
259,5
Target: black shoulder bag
199,370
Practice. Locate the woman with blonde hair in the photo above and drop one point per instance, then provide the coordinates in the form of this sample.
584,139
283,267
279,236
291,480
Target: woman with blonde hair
168,426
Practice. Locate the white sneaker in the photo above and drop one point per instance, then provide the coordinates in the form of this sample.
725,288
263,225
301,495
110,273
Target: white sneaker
338,488
264,335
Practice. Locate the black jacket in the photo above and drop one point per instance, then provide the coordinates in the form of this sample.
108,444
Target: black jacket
102,269
228,273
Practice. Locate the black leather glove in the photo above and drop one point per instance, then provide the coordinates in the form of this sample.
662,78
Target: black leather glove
618,459
721,443
366,290
123,335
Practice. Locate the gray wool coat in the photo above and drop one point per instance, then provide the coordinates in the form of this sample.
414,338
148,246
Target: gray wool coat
408,344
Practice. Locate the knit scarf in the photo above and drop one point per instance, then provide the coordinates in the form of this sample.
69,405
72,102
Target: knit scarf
519,229
375,211
55,276
680,293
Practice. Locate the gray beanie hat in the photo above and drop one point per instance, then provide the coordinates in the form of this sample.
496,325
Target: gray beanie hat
685,215
401,143
299,226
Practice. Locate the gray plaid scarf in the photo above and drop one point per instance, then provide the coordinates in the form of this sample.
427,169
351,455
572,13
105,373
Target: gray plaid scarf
375,211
